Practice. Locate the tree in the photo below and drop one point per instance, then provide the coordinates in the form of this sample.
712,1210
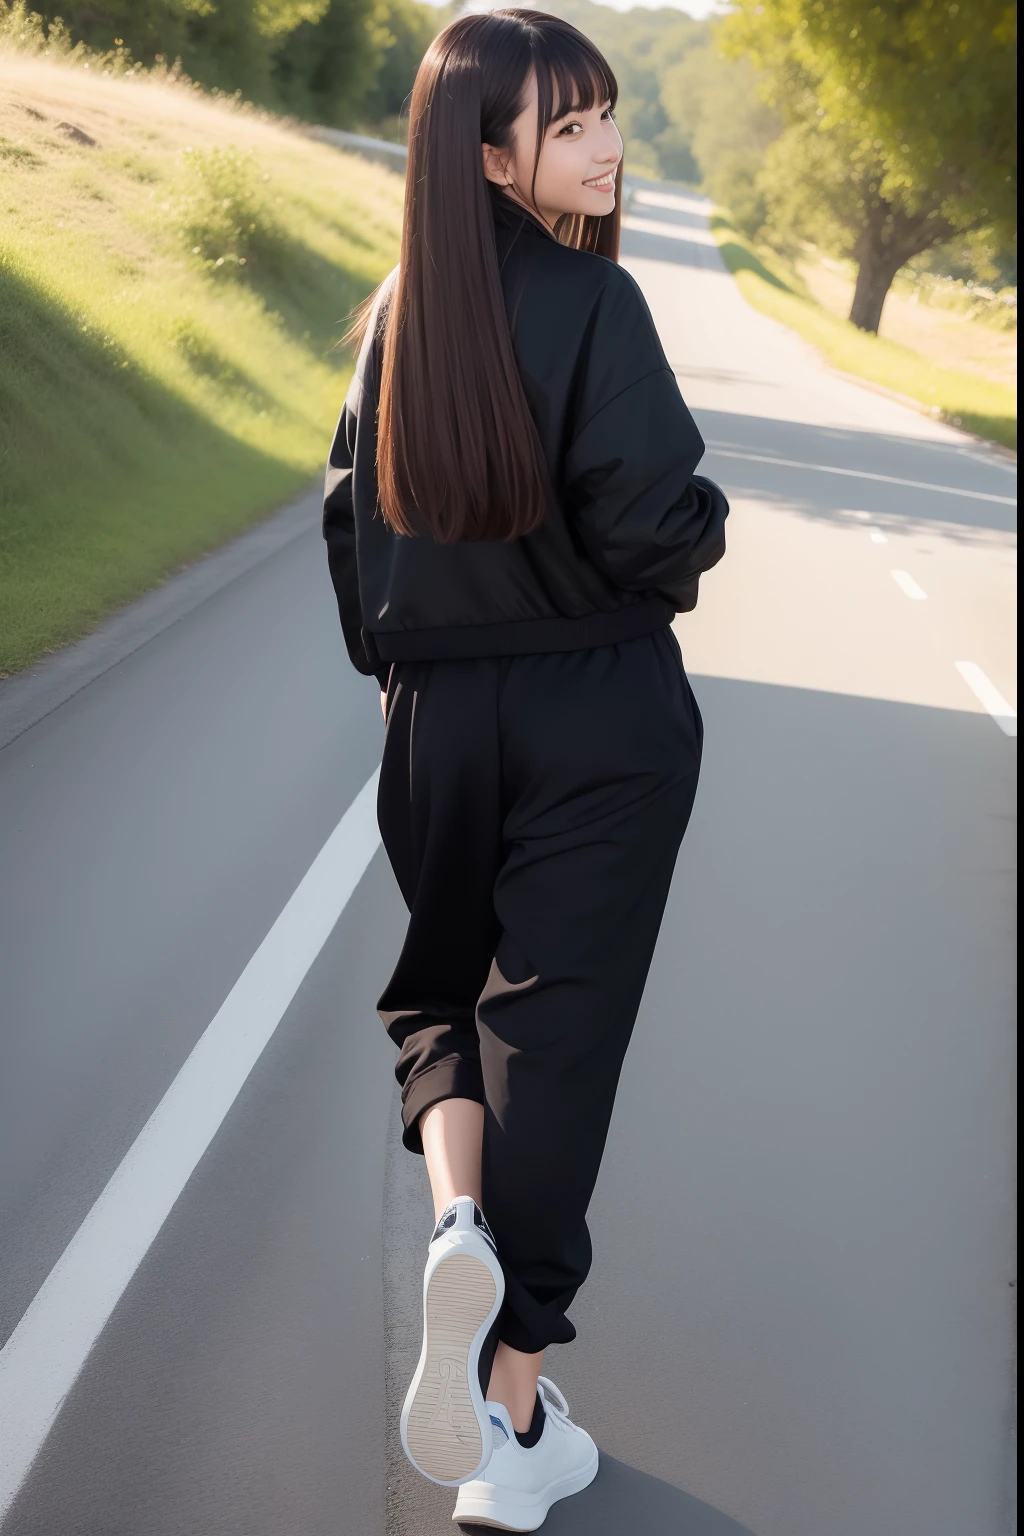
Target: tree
323,68
228,48
715,102
226,44
901,117
403,31
324,59
148,27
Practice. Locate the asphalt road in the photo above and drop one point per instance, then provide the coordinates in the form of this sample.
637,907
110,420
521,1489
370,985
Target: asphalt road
799,1322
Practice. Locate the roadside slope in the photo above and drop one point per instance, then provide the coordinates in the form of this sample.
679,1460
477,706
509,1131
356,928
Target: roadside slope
176,274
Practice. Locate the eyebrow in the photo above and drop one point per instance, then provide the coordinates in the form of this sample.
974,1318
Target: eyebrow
578,106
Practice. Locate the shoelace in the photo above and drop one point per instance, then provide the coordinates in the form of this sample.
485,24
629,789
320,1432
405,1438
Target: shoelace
555,1405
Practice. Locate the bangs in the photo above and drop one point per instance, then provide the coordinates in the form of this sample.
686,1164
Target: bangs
572,76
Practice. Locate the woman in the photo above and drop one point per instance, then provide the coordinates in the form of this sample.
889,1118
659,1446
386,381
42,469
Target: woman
512,521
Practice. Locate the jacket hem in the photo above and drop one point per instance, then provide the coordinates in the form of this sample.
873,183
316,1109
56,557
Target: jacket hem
526,637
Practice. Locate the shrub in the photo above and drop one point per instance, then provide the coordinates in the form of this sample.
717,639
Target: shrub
222,212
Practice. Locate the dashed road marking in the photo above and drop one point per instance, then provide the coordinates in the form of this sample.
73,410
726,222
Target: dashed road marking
862,474
907,584
1002,712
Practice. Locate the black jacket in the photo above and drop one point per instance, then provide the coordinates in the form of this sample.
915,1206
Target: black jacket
629,528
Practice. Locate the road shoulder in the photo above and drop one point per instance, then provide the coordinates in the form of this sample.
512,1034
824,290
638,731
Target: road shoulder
29,696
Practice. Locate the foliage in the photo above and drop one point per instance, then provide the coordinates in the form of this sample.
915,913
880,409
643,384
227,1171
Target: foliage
276,18
813,186
221,211
970,299
972,257
900,125
401,32
333,61
715,102
26,32
929,85
321,69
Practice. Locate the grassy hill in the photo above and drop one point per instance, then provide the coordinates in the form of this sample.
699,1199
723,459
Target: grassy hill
175,274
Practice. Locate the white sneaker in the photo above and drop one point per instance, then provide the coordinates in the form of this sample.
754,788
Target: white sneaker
446,1433
521,1486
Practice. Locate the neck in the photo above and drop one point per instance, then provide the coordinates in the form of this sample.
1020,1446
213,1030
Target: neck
548,220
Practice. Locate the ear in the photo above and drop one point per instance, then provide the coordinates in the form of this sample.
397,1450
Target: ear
496,165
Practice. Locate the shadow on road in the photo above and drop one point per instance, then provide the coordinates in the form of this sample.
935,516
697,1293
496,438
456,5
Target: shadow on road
811,1112
685,218
622,1499
814,490
645,245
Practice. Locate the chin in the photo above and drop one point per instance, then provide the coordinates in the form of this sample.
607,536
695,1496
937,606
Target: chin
598,205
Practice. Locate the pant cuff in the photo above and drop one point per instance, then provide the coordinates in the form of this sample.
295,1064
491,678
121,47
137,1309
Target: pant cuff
455,1078
515,1333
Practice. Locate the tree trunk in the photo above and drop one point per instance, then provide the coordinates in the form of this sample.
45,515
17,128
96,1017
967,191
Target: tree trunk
874,279
888,239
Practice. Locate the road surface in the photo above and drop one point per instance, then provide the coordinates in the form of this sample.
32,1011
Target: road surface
799,1322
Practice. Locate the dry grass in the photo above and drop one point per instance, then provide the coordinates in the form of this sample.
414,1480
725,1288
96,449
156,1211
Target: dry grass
159,394
934,379
949,337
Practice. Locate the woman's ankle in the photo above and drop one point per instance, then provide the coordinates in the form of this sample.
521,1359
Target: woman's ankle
514,1384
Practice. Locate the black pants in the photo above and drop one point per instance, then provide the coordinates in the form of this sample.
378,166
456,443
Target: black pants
532,808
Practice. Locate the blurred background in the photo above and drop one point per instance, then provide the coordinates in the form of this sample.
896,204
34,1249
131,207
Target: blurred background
178,257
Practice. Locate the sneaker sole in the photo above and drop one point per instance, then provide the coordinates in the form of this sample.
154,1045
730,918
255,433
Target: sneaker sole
491,1513
443,1424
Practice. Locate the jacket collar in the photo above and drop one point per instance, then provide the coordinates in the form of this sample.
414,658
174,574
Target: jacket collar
514,218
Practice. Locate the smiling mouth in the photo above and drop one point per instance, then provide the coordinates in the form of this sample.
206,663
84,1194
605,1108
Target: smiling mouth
605,183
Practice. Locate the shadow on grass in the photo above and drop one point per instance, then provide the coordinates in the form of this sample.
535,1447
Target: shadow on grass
1000,429
340,225
739,258
308,295
109,481
207,361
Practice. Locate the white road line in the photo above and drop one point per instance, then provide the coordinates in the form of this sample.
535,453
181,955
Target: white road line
47,1350
907,584
877,536
863,474
1003,713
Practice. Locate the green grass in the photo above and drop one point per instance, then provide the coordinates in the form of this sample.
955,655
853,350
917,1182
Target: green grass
981,406
171,300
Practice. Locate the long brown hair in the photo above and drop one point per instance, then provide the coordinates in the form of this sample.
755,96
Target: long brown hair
458,455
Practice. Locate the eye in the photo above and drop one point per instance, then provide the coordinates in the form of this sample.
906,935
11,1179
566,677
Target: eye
569,130
608,115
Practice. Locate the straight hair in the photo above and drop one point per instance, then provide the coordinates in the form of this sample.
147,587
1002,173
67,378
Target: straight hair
458,454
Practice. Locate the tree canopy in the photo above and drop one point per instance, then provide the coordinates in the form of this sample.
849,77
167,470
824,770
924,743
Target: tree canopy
336,61
900,119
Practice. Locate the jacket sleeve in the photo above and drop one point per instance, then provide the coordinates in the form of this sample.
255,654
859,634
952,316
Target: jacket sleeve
339,525
645,518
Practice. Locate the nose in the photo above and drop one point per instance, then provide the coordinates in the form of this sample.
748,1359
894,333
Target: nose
610,152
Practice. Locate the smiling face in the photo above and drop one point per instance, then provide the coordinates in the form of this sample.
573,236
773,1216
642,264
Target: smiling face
575,172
